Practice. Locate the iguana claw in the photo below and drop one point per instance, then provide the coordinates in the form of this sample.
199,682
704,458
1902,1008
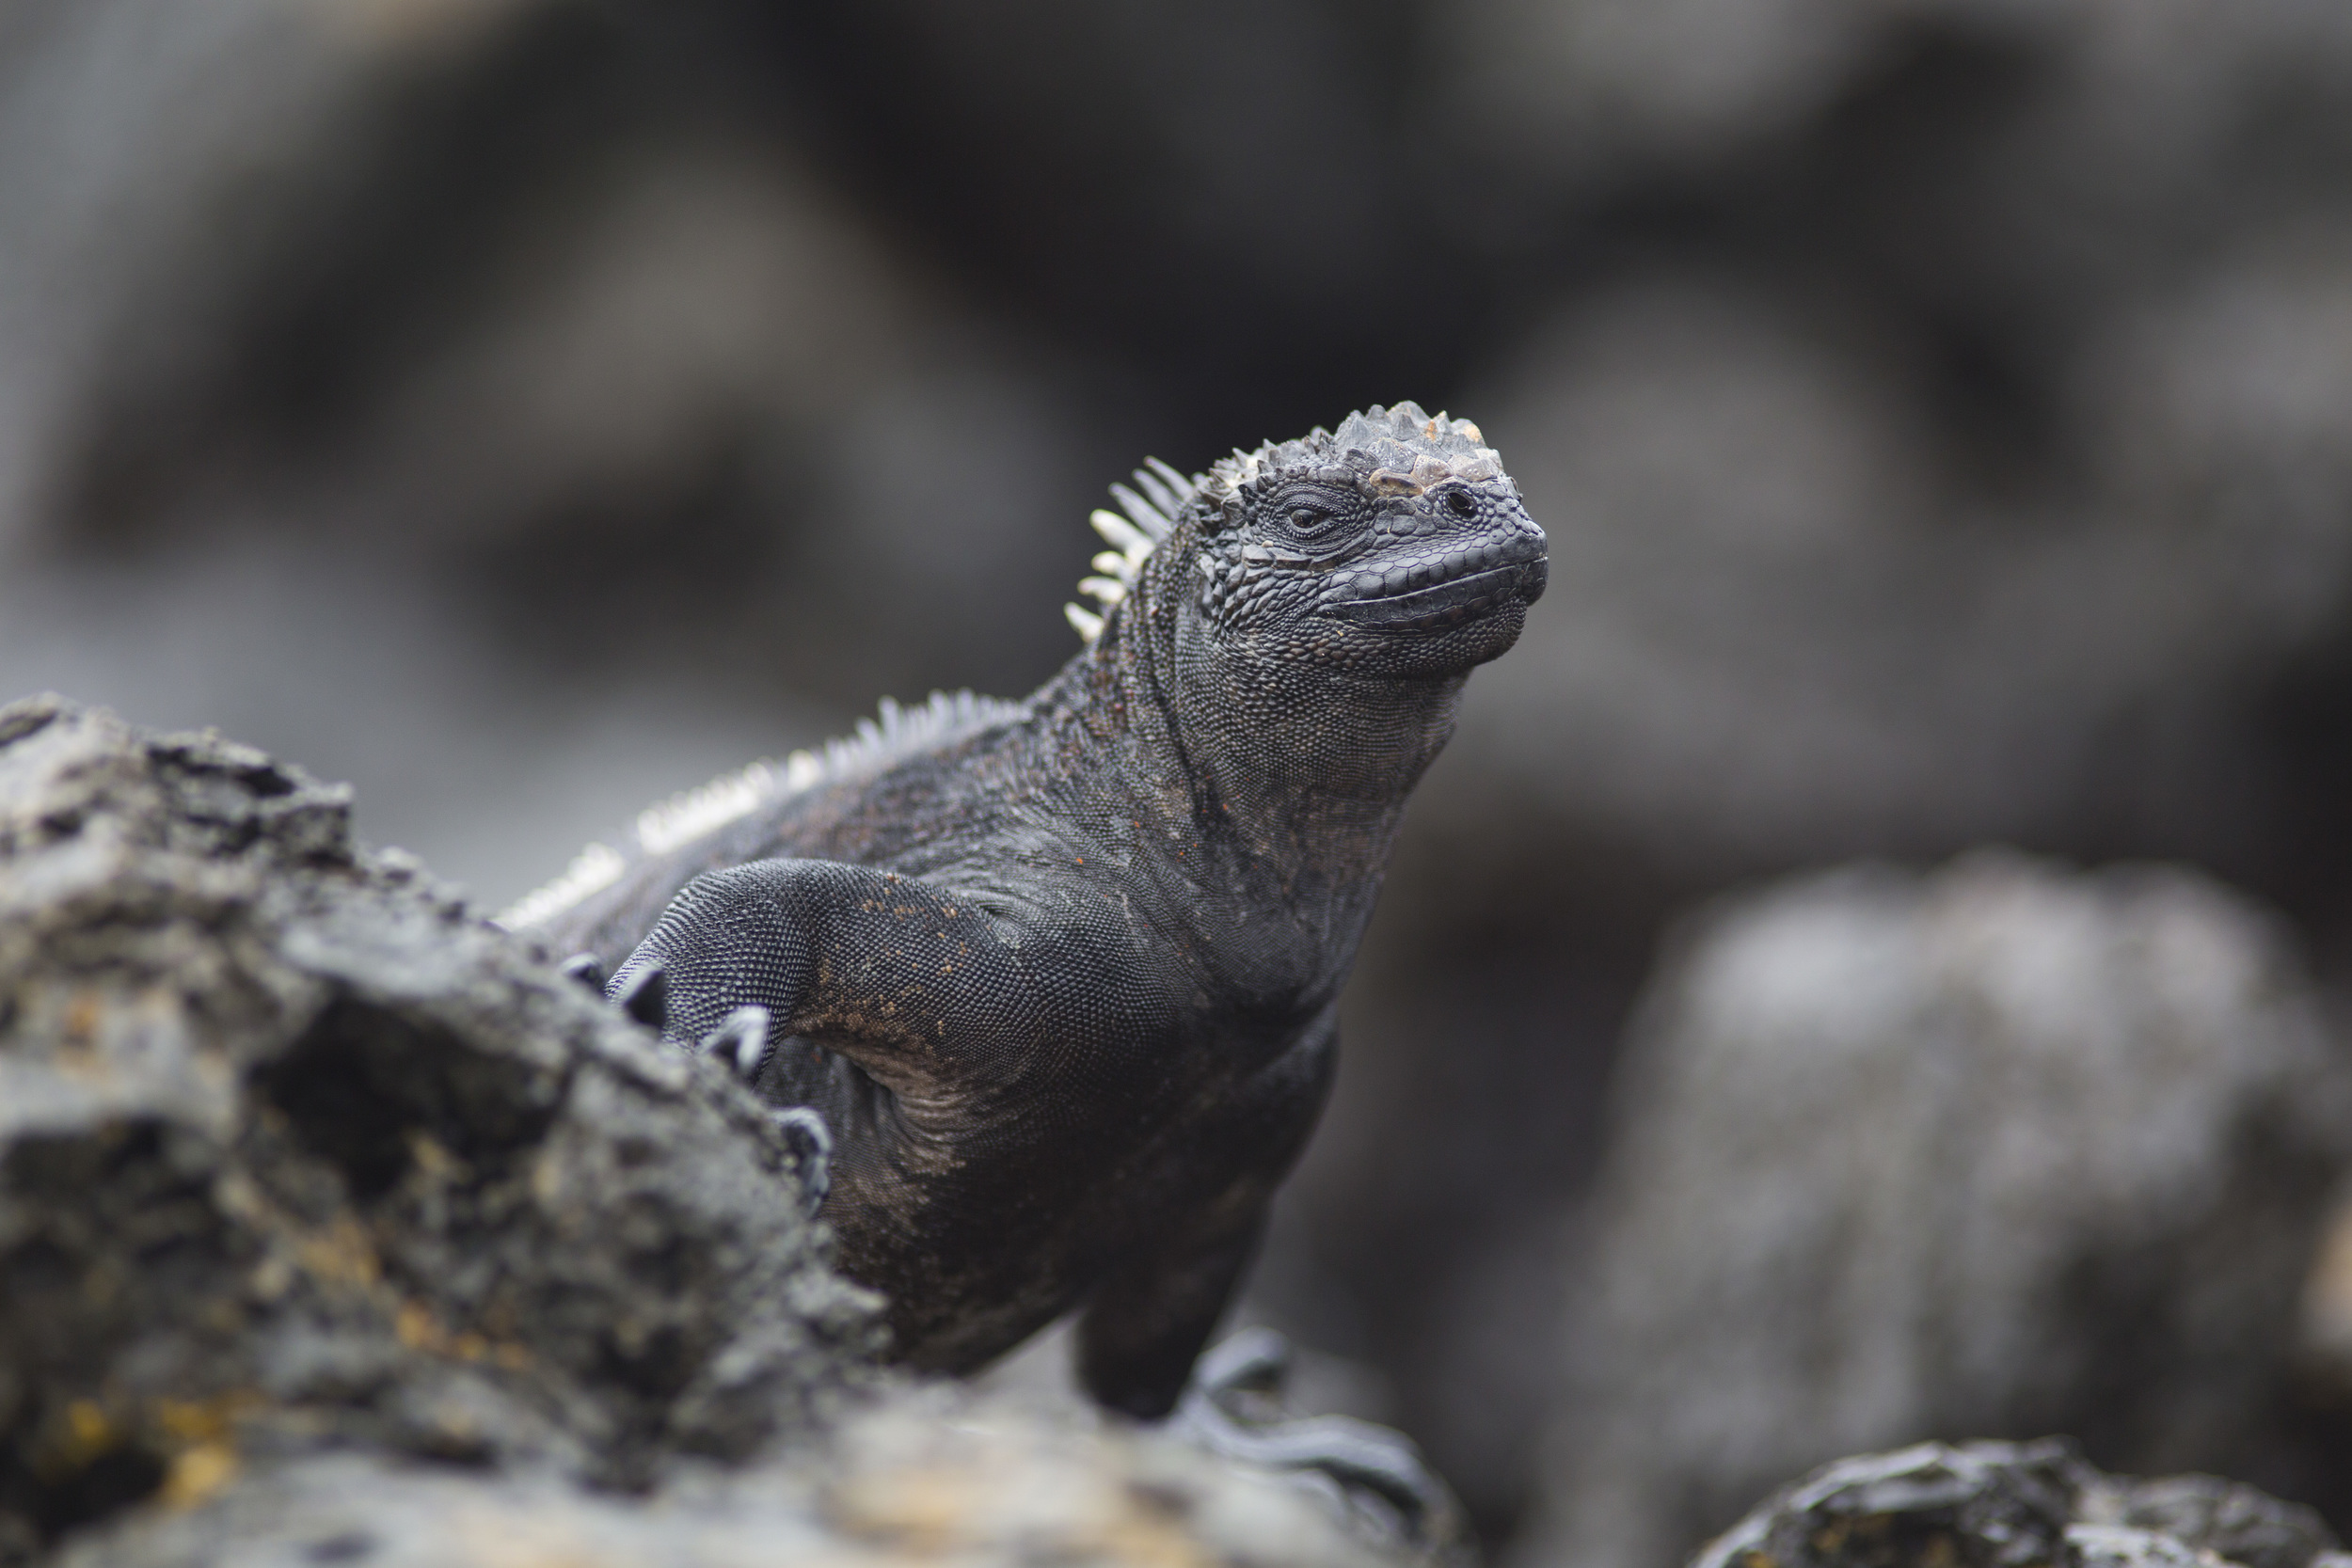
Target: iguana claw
740,1041
812,1149
1253,1360
644,996
1231,1409
587,968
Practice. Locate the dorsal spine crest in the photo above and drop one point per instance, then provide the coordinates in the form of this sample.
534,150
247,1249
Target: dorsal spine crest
692,814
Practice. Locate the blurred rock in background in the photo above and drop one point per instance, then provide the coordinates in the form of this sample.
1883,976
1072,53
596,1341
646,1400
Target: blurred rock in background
2003,1149
1942,410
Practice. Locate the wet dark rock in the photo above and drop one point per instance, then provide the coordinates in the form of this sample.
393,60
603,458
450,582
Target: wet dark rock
2016,1505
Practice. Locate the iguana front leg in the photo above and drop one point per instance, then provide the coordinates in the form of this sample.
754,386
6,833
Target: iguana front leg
914,983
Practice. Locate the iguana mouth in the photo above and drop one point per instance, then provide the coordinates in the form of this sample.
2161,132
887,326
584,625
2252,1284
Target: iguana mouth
1445,603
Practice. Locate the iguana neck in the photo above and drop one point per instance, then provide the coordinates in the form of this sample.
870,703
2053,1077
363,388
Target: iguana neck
1301,767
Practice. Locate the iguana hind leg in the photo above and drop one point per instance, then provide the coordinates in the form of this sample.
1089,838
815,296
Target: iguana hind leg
1146,1324
1140,1351
1234,1407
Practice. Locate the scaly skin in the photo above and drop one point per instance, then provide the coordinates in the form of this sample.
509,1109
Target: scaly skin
1062,975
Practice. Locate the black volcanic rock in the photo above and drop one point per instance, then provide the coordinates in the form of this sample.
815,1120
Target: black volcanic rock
295,1154
2016,1505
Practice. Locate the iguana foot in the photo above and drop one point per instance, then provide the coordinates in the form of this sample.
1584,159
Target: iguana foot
1377,1476
743,1043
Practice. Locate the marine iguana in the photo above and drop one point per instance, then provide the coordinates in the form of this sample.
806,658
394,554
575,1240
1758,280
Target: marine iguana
1060,976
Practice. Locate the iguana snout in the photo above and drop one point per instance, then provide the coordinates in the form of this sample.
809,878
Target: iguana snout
1424,578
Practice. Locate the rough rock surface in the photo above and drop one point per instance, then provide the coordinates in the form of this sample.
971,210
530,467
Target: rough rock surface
336,1226
931,1476
293,1153
2009,1505
1997,1151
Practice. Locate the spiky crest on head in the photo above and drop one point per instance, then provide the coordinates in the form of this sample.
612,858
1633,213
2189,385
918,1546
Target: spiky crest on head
1399,451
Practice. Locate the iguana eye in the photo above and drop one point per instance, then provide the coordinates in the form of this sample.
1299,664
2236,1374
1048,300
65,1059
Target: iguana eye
1460,503
1314,518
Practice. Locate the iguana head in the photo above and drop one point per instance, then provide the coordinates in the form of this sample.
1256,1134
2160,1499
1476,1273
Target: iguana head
1396,546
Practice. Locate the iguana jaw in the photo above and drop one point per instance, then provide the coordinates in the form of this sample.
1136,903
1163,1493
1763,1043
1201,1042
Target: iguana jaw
1477,591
